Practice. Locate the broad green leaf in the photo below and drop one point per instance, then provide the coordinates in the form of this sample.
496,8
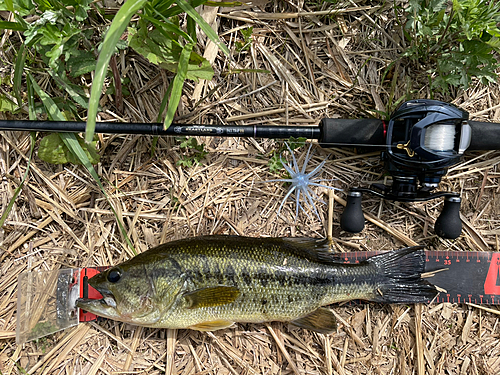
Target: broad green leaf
186,7
147,47
6,105
51,34
118,26
80,63
177,84
202,70
81,13
169,29
166,53
53,150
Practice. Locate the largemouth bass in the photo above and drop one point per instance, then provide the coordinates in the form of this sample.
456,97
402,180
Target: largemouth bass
208,283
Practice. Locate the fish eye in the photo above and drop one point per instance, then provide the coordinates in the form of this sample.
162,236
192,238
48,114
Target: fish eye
114,275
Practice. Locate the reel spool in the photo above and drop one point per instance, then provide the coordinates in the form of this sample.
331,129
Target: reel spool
424,138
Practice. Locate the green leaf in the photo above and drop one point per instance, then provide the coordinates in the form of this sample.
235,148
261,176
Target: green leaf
118,26
76,92
160,50
202,70
81,13
53,150
191,28
177,85
165,7
5,25
80,63
146,45
169,29
18,73
7,105
31,100
9,4
186,7
50,106
164,102
51,35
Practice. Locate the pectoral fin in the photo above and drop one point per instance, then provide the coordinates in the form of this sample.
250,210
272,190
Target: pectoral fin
212,326
212,296
321,320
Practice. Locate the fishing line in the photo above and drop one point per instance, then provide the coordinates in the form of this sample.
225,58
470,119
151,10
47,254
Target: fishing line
440,137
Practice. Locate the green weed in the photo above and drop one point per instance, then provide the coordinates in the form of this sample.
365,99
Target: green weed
275,164
68,39
457,40
194,152
244,45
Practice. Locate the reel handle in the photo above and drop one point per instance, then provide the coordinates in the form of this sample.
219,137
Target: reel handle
352,219
448,224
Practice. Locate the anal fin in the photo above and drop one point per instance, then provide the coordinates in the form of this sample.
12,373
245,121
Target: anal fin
212,326
321,320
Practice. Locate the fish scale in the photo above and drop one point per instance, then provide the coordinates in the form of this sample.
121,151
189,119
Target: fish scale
210,282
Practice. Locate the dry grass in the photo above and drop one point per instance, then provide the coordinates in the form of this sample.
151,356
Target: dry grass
322,65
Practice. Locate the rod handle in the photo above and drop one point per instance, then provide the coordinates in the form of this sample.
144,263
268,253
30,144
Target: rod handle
485,136
369,132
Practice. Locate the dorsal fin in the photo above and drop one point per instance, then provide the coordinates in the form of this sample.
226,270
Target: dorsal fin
315,250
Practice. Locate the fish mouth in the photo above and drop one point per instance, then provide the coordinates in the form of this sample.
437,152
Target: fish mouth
105,306
107,301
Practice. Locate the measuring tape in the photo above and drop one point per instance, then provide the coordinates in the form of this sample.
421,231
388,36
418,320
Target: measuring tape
466,276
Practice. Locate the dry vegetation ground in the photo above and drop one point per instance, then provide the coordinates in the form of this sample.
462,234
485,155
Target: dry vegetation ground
344,63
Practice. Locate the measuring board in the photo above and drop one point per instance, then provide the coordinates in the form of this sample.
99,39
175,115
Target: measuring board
467,276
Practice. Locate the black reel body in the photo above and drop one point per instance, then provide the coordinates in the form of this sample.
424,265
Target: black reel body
424,138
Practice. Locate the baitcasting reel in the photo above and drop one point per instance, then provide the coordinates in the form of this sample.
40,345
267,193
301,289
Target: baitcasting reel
423,139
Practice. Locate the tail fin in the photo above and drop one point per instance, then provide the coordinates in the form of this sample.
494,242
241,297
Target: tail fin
400,273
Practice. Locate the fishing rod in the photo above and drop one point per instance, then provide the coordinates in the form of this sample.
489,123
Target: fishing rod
422,139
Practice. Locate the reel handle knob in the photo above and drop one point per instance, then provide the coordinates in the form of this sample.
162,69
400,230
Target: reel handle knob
448,224
352,219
